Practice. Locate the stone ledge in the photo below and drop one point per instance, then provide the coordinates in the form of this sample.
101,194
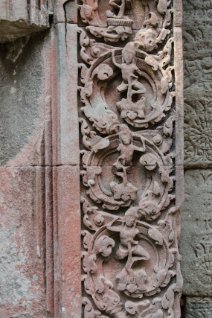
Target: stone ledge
20,19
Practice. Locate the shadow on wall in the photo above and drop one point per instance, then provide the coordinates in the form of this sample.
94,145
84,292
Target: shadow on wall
20,92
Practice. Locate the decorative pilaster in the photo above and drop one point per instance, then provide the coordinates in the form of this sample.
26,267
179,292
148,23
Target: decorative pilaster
130,107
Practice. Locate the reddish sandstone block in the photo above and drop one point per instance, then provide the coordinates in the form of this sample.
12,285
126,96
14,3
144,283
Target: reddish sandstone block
65,115
22,247
67,242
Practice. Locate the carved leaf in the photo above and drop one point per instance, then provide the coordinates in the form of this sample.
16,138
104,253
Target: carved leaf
103,72
87,239
156,235
168,300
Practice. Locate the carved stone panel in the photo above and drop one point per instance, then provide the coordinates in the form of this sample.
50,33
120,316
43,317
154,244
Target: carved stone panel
198,308
198,131
130,101
198,84
196,238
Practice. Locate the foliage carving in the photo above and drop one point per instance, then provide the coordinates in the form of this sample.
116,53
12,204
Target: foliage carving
130,257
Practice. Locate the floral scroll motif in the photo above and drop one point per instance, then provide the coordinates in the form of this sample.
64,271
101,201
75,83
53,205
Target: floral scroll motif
198,131
112,23
130,258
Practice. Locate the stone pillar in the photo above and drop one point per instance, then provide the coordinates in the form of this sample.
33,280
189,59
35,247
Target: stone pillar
130,108
196,240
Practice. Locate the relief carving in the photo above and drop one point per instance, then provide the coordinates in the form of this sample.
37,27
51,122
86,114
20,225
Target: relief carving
198,131
130,257
111,22
198,84
198,308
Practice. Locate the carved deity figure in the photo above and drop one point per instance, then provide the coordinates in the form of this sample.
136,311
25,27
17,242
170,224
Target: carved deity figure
127,147
129,71
133,105
128,279
121,166
129,246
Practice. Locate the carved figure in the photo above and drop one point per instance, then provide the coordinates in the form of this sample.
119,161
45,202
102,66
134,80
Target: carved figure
129,246
127,147
130,83
129,72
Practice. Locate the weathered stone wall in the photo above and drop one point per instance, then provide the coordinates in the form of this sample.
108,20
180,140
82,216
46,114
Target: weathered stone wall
196,238
24,118
29,168
40,219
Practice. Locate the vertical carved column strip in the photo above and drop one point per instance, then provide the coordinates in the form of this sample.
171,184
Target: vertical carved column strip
131,119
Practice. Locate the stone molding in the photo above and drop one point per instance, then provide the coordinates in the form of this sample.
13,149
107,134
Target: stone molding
19,18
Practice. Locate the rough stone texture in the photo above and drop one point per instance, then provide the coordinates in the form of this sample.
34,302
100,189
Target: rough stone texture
22,92
66,11
67,268
22,261
66,178
67,145
26,258
196,237
19,18
38,92
198,308
198,84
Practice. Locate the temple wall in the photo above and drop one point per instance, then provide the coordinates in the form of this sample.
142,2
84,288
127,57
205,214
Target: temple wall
25,113
38,161
196,238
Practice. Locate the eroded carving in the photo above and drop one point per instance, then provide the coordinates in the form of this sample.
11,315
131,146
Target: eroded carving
113,24
198,131
198,85
144,93
197,307
130,258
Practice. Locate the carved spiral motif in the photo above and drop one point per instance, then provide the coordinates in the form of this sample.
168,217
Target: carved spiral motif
141,99
110,184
